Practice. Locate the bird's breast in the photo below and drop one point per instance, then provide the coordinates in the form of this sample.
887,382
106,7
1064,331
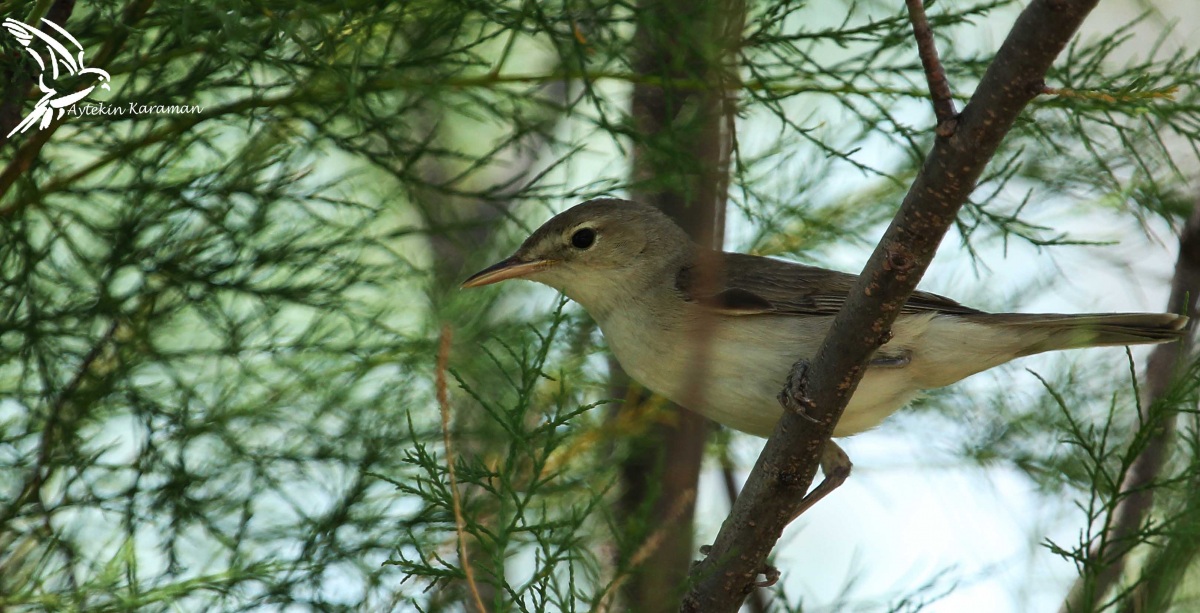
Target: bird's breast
729,369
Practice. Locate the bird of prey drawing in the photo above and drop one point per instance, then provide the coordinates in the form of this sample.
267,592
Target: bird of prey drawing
57,55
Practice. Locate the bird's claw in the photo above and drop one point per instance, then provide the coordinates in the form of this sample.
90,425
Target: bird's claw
794,396
770,576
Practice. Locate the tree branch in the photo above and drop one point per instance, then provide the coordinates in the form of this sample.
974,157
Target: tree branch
935,75
786,467
1136,495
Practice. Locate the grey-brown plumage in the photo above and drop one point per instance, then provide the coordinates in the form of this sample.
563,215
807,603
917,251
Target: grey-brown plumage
717,332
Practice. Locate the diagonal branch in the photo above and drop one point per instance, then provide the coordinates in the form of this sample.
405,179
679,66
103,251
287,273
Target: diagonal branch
789,461
443,399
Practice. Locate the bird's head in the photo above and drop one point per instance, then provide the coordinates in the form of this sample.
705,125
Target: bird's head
597,253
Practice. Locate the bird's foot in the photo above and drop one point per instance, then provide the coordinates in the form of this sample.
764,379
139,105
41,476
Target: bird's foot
837,466
770,576
770,573
794,396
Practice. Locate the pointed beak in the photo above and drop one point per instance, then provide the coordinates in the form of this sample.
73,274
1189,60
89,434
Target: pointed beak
511,268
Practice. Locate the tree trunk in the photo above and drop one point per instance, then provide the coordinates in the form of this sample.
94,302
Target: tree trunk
681,165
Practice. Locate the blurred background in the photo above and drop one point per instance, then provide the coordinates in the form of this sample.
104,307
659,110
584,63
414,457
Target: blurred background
229,309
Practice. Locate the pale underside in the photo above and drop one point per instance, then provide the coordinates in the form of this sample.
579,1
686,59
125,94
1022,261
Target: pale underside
731,369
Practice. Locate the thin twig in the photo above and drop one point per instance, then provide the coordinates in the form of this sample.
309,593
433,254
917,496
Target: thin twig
61,421
443,398
935,74
1160,93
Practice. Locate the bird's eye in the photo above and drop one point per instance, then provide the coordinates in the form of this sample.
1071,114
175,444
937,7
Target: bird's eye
583,238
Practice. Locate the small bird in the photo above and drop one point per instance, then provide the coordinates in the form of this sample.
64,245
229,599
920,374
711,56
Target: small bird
718,332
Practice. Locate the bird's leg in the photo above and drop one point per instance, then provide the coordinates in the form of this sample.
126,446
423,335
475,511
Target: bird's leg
835,465
794,395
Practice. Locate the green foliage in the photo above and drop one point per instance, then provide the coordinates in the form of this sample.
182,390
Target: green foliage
1106,453
530,496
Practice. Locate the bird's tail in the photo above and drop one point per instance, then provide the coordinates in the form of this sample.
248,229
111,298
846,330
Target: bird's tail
1076,331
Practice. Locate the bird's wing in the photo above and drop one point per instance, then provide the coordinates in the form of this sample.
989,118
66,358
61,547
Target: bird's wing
753,285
